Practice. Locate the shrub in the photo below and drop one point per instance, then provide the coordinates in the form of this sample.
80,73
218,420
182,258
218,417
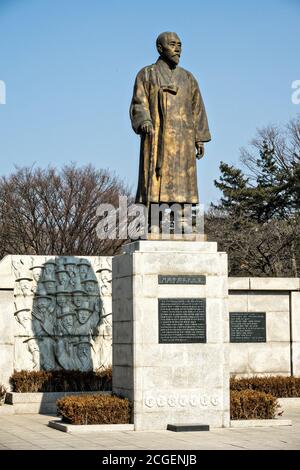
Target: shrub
278,386
61,381
250,404
94,409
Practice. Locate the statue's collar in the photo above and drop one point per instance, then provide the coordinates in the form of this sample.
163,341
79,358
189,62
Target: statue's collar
164,66
166,74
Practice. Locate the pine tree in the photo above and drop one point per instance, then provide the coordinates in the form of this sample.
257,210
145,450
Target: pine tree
261,199
235,189
257,220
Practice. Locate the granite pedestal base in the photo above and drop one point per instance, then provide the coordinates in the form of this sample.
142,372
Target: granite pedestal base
170,333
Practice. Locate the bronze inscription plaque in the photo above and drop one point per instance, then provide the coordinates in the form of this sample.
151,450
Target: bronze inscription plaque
182,320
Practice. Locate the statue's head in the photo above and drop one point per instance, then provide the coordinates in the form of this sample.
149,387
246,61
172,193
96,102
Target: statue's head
169,47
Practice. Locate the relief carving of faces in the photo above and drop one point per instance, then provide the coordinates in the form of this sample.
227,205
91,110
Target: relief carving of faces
43,304
49,270
71,269
63,277
50,298
83,271
78,299
36,274
83,316
50,287
25,286
61,300
90,286
68,323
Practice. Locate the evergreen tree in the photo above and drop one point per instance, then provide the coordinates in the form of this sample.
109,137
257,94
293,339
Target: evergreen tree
257,220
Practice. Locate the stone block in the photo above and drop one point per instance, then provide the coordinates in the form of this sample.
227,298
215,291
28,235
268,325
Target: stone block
122,377
238,283
7,318
215,287
278,326
238,358
145,320
89,428
33,403
122,288
168,245
122,310
159,370
183,263
213,375
274,283
238,302
296,358
122,332
6,363
156,377
149,355
215,313
225,323
7,278
122,266
145,286
159,420
123,355
268,302
295,314
269,358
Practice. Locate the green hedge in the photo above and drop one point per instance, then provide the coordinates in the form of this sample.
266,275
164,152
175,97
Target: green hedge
250,404
278,386
61,381
94,409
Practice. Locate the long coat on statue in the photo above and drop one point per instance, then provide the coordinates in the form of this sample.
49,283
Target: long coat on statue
171,100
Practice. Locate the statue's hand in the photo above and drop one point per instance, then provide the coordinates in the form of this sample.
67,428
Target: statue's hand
200,150
147,128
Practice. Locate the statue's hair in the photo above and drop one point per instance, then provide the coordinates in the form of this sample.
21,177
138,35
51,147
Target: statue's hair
162,36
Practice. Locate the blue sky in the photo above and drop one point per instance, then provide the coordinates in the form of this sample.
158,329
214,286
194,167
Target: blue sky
69,68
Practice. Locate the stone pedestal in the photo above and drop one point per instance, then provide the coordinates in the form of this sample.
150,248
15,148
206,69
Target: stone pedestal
169,378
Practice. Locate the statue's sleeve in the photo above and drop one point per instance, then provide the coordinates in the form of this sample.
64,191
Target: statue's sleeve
139,108
202,133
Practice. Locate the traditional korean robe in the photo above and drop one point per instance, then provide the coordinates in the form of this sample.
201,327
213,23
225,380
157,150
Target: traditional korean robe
171,100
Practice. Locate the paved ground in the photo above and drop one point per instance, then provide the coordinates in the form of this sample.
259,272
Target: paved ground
30,432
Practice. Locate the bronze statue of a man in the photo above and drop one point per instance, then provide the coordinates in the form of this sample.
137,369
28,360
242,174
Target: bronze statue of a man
168,112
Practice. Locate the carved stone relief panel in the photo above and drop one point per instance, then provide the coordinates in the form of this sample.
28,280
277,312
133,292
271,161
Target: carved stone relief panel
62,308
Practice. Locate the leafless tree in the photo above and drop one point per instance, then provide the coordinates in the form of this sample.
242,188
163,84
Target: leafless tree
269,249
46,211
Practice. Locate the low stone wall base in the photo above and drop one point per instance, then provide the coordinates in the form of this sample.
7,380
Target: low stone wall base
44,403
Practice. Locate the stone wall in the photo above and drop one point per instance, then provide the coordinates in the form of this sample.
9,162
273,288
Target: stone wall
55,313
279,300
36,331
